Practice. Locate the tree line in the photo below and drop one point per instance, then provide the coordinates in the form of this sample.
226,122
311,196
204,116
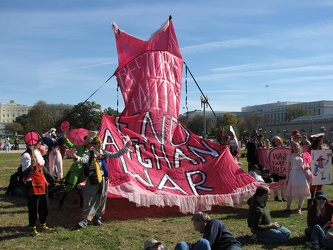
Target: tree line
42,116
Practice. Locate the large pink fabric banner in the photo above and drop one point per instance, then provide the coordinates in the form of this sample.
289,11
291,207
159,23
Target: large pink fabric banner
168,165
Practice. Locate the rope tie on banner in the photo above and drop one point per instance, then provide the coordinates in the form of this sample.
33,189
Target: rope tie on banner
71,113
117,98
186,93
200,90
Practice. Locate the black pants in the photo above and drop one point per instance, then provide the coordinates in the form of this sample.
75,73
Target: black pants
38,206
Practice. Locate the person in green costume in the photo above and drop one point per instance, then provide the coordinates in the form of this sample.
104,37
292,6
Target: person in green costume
75,174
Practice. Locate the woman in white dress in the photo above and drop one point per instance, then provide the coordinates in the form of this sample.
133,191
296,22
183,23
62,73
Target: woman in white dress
296,184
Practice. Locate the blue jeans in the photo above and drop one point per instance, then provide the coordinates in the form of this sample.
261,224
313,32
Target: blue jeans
201,244
269,236
319,235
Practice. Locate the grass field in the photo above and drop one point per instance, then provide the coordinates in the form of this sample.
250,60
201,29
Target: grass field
125,225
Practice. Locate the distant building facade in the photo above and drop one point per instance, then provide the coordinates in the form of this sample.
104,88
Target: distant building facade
273,118
9,112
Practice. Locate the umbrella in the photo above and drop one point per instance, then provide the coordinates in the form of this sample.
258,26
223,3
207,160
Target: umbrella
64,126
31,138
76,136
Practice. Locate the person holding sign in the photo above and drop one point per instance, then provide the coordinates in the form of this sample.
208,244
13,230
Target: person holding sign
317,141
276,143
96,188
296,185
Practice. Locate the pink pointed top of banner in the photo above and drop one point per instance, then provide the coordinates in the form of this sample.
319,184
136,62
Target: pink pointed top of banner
149,73
130,47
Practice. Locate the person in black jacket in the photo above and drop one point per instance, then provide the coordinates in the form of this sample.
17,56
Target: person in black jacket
16,185
252,150
215,235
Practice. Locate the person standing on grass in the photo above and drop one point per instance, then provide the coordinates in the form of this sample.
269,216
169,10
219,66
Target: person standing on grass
277,142
252,150
75,174
96,187
54,144
317,142
7,144
319,213
260,222
34,177
296,185
215,235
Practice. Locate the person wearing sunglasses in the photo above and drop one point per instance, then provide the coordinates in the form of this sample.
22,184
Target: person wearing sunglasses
319,213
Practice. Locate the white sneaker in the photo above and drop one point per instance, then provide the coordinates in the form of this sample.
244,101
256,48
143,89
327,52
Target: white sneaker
83,223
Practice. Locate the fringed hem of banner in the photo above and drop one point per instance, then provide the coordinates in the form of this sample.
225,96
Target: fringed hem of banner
186,203
276,185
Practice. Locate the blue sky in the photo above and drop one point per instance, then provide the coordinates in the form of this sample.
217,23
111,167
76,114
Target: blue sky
62,51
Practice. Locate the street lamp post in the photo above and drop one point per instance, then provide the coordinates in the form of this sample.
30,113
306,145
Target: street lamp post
204,102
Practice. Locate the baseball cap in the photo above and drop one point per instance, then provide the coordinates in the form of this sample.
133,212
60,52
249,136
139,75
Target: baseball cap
151,243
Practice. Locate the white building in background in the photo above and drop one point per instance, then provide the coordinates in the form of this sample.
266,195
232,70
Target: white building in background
273,118
273,113
9,112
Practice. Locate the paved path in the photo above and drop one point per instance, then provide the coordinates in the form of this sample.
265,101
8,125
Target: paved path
20,151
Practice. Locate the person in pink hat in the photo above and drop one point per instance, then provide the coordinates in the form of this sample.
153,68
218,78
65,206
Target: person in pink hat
296,136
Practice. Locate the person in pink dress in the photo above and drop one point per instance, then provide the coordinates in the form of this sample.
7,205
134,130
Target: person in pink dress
296,185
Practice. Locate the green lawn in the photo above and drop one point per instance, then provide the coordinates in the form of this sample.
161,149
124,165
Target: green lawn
125,225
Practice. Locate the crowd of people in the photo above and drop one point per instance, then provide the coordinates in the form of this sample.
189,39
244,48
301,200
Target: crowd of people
8,146
39,170
215,235
297,184
89,166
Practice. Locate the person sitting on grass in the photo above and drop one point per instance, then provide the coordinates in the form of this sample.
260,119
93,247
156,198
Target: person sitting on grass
215,235
153,244
322,237
320,212
260,222
256,174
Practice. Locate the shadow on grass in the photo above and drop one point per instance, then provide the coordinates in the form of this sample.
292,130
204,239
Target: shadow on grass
10,201
292,242
123,209
8,233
